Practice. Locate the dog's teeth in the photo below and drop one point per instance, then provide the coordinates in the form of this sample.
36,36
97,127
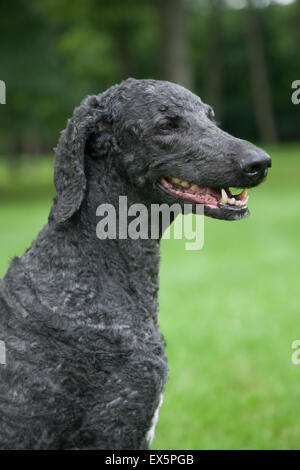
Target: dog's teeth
175,180
241,202
185,184
233,201
195,187
224,198
243,194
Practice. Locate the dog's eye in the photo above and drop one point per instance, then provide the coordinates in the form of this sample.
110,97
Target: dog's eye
168,125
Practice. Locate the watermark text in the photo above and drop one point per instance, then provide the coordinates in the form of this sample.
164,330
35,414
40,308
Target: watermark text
296,93
2,352
295,358
2,92
138,221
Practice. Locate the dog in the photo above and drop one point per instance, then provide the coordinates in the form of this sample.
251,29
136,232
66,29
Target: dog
85,361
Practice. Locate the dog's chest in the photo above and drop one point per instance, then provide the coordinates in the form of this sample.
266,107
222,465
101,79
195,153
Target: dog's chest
150,434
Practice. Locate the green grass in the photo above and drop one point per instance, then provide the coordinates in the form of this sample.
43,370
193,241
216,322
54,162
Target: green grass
229,313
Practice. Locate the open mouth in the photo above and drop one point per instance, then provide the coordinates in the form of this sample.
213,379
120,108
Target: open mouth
219,202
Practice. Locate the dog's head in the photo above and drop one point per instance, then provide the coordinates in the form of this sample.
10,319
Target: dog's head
166,143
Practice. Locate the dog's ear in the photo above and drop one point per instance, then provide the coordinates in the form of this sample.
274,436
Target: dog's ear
69,166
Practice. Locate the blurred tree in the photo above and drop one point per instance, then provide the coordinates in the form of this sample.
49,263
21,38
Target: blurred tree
55,52
297,27
175,48
213,75
39,89
105,41
262,101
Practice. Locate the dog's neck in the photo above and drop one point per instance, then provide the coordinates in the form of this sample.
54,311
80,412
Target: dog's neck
99,279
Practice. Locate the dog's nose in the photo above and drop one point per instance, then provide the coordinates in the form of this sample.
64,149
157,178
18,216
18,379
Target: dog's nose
256,163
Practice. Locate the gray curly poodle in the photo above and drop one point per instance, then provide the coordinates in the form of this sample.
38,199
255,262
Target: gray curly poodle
85,366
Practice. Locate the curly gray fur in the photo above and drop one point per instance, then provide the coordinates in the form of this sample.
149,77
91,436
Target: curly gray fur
85,361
